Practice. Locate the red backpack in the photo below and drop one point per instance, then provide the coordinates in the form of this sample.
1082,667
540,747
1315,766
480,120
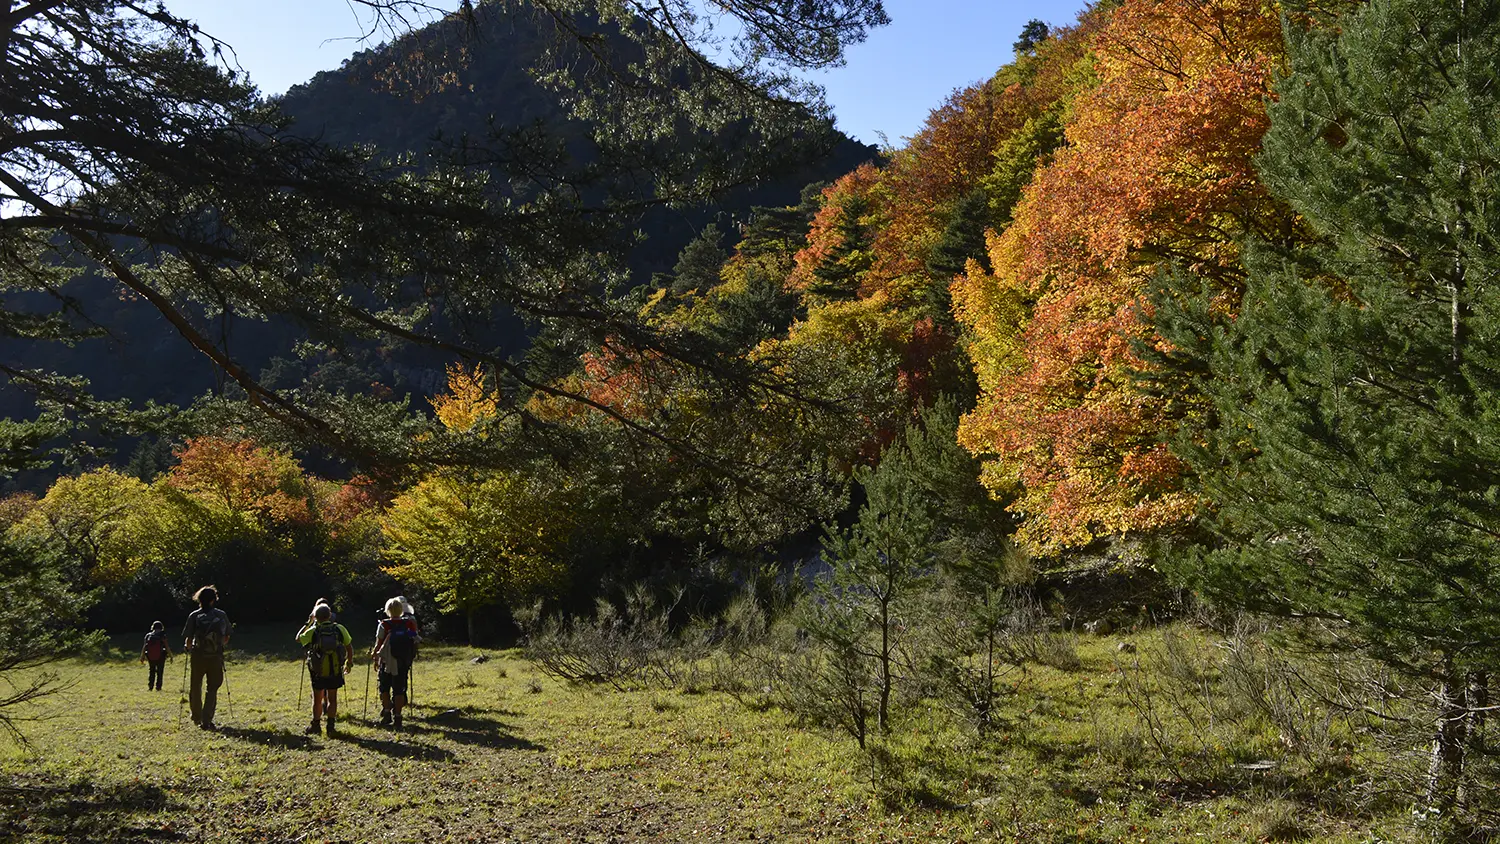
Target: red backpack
156,645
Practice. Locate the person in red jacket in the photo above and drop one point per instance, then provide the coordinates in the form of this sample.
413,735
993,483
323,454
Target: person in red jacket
155,652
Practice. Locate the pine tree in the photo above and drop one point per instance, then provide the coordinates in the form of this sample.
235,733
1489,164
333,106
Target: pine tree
962,238
1033,33
1353,459
878,567
699,262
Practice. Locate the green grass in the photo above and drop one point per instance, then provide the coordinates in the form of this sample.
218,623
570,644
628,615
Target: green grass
499,752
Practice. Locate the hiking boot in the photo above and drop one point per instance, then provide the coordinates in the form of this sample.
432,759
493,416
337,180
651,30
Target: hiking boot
385,717
313,728
331,731
208,726
396,721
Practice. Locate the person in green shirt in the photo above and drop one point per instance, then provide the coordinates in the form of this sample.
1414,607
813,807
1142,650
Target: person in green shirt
330,655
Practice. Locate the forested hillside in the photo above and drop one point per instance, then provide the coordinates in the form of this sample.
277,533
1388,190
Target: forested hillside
464,87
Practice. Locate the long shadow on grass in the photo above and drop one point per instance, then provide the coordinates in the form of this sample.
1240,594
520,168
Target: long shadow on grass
465,728
397,749
86,812
277,738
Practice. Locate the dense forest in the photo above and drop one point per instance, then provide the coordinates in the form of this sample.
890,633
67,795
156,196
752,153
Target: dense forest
1183,313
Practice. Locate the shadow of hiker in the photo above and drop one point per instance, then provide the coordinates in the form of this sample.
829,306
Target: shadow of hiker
456,725
82,811
276,738
397,749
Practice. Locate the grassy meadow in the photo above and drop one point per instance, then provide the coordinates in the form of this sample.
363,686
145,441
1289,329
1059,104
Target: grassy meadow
497,751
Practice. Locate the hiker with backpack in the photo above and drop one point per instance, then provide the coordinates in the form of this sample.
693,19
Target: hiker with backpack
395,647
155,651
330,655
205,638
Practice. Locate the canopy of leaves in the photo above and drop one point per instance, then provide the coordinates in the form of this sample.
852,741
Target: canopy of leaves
1156,168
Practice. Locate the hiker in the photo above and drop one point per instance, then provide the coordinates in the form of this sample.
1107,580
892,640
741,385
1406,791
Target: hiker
395,647
204,638
333,615
328,644
155,651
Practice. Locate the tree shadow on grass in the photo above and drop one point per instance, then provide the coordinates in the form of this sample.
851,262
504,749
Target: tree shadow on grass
284,739
82,811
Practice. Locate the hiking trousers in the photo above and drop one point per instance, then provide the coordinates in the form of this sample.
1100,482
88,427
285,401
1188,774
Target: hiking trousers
156,668
209,668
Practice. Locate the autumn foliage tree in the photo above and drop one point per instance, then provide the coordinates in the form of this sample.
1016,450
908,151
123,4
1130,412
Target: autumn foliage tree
92,522
483,537
1156,170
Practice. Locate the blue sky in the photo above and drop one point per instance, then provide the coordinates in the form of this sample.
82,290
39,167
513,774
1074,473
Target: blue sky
887,88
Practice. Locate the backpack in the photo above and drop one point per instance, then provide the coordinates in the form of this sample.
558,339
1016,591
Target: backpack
401,639
325,650
206,638
156,646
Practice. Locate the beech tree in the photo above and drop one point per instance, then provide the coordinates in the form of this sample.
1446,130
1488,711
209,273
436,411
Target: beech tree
1156,169
476,543
1352,459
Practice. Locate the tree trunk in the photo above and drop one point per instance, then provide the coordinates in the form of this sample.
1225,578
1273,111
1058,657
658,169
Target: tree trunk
471,619
1479,699
885,664
1449,741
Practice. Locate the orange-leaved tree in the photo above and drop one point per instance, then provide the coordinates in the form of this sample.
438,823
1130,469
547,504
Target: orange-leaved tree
1156,170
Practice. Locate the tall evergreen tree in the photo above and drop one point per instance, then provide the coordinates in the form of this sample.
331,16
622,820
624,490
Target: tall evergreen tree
1033,33
1353,460
962,238
698,265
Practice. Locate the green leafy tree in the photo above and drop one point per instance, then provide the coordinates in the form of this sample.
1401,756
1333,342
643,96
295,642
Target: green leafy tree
477,543
1351,452
90,523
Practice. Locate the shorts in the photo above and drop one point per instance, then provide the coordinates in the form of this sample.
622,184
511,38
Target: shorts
332,681
395,684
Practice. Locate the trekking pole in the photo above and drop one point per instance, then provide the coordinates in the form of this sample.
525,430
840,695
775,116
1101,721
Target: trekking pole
302,678
367,689
228,698
182,697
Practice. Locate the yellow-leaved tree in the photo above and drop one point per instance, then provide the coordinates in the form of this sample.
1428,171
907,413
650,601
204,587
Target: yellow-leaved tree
479,539
93,521
476,543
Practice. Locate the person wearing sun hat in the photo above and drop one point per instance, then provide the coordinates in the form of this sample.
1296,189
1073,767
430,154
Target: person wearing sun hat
396,640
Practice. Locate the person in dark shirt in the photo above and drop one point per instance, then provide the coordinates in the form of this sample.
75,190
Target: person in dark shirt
205,637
